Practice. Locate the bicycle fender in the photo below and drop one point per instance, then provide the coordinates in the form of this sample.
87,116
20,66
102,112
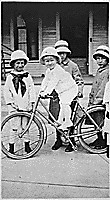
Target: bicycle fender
94,107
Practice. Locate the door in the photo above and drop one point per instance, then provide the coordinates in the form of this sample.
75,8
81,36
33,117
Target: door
74,29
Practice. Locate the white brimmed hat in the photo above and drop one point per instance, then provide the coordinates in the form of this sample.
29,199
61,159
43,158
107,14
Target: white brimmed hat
49,51
62,46
101,50
18,54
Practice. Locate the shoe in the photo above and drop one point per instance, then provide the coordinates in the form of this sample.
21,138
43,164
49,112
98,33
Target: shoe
101,145
27,147
58,142
96,142
11,148
69,148
57,145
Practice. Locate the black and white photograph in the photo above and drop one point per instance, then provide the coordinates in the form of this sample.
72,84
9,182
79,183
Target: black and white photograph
55,100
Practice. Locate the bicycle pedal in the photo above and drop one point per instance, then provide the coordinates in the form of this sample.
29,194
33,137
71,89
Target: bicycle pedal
75,148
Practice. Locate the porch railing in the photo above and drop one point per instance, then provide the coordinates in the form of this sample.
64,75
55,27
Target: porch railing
5,68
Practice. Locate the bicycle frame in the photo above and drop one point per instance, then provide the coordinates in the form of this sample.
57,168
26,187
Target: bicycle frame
55,123
85,112
38,100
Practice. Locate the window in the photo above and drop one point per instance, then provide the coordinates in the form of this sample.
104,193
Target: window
28,36
22,34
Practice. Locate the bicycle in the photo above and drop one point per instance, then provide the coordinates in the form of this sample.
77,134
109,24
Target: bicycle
38,130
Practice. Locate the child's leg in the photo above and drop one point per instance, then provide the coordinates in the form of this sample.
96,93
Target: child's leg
15,126
24,124
26,135
66,110
61,114
67,114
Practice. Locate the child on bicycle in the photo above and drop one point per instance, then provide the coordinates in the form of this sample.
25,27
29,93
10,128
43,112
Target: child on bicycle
101,56
19,94
60,80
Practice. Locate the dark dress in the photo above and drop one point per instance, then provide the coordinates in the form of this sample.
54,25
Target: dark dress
97,93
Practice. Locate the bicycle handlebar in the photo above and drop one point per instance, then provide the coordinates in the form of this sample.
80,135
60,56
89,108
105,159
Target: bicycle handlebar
46,97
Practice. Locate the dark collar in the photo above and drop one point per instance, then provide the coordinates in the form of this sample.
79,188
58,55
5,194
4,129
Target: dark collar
65,62
100,69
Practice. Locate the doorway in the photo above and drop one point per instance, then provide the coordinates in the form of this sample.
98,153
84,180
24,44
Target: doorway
74,29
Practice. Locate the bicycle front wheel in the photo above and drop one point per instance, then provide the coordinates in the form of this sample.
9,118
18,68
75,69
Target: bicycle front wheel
89,131
34,137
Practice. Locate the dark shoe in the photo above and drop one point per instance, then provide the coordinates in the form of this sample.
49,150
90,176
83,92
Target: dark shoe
11,148
57,144
96,142
27,147
101,145
69,148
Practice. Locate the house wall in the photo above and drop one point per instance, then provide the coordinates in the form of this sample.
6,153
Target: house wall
49,33
7,37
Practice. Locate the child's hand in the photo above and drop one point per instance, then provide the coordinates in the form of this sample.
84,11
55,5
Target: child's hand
14,106
43,94
32,105
80,95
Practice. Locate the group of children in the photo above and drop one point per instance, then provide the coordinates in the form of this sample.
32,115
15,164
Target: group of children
19,91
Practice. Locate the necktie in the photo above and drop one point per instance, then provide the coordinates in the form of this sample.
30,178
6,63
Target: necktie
17,78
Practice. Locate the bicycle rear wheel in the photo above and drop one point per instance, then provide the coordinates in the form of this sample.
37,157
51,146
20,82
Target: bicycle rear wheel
35,136
90,132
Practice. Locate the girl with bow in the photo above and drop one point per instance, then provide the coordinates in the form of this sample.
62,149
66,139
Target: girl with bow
19,94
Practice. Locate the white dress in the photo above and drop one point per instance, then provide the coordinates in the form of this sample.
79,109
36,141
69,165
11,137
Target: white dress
22,102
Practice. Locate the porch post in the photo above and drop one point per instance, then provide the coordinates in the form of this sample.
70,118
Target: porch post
40,36
90,70
12,34
57,27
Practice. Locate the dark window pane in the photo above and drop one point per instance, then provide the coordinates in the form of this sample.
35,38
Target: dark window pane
21,35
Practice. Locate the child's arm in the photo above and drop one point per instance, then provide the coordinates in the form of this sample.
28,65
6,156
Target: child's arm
52,83
100,95
32,89
44,82
8,95
7,91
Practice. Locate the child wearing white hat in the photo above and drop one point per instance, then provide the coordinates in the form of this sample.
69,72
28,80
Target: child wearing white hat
60,80
19,93
96,95
68,65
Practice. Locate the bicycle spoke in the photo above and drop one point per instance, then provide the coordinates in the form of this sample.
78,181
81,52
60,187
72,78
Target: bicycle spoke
34,136
88,132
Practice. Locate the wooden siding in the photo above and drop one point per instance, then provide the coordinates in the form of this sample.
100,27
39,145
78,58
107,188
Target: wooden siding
48,36
35,69
48,29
